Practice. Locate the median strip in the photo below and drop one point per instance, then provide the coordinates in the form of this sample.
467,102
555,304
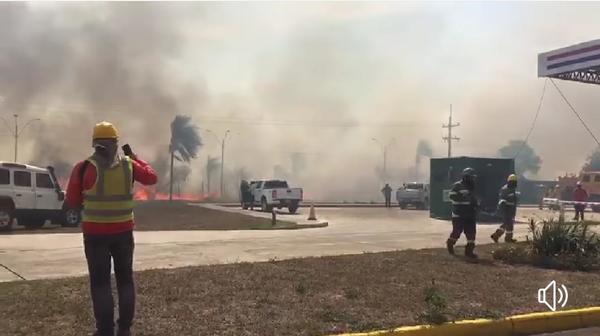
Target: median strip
526,324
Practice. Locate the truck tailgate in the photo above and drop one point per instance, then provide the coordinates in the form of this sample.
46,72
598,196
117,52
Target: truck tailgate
287,194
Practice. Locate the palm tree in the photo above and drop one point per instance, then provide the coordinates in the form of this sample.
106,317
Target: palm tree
185,143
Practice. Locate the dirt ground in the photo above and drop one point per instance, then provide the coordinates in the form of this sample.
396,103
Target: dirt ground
162,215
311,296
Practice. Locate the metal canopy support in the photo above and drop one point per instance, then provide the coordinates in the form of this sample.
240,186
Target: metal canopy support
590,77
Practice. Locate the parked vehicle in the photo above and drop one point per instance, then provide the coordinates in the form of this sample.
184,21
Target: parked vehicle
415,194
275,193
32,195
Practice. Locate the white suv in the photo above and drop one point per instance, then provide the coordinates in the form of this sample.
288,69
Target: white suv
32,195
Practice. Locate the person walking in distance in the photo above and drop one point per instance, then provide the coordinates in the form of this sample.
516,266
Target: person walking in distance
464,212
387,193
507,206
103,186
580,196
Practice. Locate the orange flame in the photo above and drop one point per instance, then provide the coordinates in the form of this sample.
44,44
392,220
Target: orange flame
142,193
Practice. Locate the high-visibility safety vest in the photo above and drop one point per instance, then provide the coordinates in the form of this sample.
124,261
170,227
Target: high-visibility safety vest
110,200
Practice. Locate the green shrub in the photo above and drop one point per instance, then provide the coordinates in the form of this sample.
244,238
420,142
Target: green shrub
557,244
436,306
553,238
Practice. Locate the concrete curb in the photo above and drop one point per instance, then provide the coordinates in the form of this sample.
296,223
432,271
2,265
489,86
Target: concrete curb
297,223
527,324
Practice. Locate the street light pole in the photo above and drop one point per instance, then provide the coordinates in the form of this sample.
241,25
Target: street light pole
222,141
223,160
384,148
16,133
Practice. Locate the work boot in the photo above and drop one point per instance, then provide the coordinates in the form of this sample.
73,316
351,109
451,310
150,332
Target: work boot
496,235
509,238
469,251
450,245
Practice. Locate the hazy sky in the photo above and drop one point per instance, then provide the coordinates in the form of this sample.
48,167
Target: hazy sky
288,77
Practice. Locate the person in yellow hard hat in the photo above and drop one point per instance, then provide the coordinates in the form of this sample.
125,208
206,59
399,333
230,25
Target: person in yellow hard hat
507,206
103,186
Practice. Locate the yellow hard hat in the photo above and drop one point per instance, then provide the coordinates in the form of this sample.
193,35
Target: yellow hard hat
512,178
105,130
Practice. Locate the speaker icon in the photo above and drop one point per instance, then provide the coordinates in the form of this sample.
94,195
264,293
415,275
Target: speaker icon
548,295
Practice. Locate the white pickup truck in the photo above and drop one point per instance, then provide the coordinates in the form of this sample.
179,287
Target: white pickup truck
415,194
275,193
32,195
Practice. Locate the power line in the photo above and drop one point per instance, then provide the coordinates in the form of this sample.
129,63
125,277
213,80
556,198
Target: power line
306,124
537,113
575,111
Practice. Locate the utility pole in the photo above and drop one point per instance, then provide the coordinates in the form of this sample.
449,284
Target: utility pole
450,138
16,133
384,148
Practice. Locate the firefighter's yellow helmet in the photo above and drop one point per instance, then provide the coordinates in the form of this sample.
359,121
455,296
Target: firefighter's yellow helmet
105,130
512,178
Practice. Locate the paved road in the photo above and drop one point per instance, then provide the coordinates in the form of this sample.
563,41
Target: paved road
351,230
580,332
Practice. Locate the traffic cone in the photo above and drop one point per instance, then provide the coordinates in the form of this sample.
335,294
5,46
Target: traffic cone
312,215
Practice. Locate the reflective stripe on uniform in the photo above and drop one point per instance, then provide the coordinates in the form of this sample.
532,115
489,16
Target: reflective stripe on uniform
471,241
461,203
108,198
107,212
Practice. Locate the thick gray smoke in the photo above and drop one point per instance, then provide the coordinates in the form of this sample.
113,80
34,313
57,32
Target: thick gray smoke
423,150
97,62
302,87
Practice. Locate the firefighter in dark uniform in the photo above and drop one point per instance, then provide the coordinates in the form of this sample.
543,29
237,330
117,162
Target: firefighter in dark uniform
507,206
464,212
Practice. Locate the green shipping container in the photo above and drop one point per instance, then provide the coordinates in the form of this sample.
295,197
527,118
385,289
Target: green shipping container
491,176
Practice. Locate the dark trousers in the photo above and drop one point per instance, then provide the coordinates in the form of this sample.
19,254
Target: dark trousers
508,222
579,210
388,201
466,225
99,249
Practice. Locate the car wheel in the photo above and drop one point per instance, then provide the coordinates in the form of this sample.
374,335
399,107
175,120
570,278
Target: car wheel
72,218
6,219
293,208
402,206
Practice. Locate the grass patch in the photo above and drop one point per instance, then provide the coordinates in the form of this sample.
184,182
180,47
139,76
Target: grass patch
306,297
